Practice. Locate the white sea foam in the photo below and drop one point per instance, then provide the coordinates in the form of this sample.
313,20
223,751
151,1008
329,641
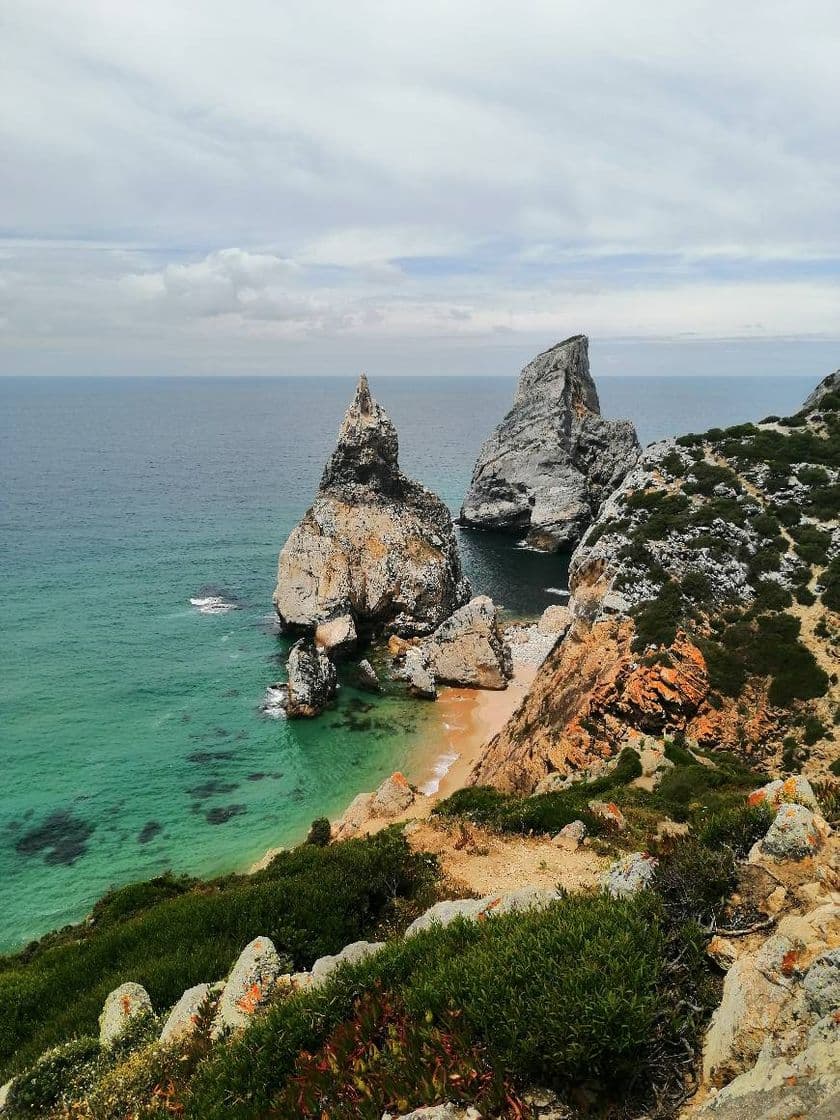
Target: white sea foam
274,702
439,771
560,591
213,604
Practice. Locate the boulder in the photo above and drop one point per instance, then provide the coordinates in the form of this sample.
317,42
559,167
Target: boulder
555,620
550,464
312,680
609,813
794,790
477,909
468,648
123,1004
570,836
393,796
629,875
248,987
795,833
415,670
804,1085
338,636
183,1017
374,545
822,984
366,677
323,968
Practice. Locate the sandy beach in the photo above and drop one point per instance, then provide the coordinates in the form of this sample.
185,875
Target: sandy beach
470,717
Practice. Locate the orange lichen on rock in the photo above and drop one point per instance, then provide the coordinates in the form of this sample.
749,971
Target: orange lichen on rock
251,1000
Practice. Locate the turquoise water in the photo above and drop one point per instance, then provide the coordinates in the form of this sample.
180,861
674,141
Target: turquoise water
132,740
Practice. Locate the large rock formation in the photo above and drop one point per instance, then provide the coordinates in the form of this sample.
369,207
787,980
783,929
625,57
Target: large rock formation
469,649
548,467
375,545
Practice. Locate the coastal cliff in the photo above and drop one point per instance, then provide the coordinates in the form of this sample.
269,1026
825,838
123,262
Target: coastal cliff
705,603
545,472
375,546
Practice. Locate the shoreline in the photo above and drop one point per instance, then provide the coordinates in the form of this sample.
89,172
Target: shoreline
469,718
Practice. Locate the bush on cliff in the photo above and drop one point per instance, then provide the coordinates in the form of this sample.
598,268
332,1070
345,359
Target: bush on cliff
310,901
582,992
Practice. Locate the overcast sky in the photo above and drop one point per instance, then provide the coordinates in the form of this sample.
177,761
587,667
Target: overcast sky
279,187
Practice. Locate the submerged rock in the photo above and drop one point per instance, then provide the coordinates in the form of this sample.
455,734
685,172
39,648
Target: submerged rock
469,649
374,545
123,1004
551,463
312,680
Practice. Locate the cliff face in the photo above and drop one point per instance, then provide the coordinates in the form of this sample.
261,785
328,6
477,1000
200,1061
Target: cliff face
704,601
375,545
545,471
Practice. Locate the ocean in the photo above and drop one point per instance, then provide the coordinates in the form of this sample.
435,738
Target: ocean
131,735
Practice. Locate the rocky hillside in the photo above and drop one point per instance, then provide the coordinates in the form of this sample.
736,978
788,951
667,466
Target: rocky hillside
548,467
705,601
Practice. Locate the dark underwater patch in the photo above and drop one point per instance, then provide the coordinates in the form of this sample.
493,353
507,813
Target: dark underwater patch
60,838
203,758
222,813
211,788
149,831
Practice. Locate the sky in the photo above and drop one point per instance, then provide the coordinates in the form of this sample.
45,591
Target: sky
281,187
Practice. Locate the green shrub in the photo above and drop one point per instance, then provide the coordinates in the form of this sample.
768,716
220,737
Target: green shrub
320,832
309,901
684,785
41,1087
830,581
811,543
704,477
695,585
813,730
834,767
737,828
804,596
580,992
657,619
695,881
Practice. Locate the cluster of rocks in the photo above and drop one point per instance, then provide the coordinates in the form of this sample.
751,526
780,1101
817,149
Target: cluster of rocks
376,555
467,650
260,973
546,470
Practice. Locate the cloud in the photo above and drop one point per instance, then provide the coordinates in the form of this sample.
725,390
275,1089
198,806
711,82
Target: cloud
175,176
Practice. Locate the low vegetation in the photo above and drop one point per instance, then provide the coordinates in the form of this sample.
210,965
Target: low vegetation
168,935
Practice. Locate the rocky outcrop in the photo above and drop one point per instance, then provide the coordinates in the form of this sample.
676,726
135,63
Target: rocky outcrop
183,1018
829,384
123,1004
546,470
469,649
338,636
248,987
357,951
374,546
312,680
629,875
366,677
390,799
477,909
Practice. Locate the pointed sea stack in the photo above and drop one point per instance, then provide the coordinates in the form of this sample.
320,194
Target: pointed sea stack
375,545
545,472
